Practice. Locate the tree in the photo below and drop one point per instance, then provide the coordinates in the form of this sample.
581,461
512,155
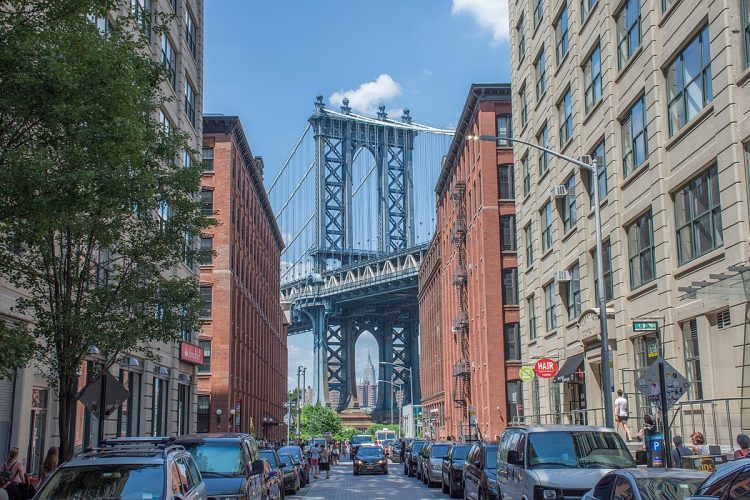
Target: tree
379,427
346,434
318,420
95,210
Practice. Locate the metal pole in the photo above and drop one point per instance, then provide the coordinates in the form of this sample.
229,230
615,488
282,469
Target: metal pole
664,417
392,384
297,403
102,409
606,383
304,385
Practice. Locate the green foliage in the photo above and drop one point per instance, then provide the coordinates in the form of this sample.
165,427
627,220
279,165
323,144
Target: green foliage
86,167
379,427
318,420
345,434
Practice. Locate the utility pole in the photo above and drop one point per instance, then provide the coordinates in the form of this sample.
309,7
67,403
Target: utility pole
297,403
304,385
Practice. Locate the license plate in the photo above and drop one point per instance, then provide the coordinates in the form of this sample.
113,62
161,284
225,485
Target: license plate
370,467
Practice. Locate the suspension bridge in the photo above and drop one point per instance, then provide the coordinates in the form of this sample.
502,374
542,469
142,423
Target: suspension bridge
356,207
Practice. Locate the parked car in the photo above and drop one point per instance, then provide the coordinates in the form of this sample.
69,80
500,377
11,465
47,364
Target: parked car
647,484
357,441
730,481
370,459
479,472
411,456
273,486
284,467
229,463
432,466
299,460
564,460
421,458
128,468
288,459
452,469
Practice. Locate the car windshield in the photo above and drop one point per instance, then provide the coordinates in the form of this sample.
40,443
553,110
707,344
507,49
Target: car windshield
292,451
416,446
125,481
439,450
672,488
361,439
270,456
491,457
218,459
286,458
370,452
589,449
460,452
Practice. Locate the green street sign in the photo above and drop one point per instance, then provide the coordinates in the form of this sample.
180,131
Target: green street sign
527,373
645,326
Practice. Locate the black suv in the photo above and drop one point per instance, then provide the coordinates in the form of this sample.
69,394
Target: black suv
128,468
453,469
411,456
480,471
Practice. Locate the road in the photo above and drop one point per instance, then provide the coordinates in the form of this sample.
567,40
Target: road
343,485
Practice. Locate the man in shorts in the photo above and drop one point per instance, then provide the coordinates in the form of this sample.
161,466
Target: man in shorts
325,465
315,461
622,413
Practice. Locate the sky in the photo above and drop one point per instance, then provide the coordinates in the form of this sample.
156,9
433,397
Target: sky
266,62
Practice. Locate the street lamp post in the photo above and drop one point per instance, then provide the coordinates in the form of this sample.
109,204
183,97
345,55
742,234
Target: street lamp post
401,390
411,389
592,168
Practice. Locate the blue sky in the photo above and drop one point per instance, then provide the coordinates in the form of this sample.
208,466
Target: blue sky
266,61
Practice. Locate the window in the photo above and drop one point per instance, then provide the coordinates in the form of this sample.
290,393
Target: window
538,12
609,286
521,30
190,102
698,215
129,412
204,404
689,81
531,313
692,359
574,292
641,251
723,319
207,251
512,342
529,239
540,70
561,35
586,7
166,123
510,287
508,233
634,137
206,366
160,407
506,189
601,165
514,393
569,211
183,409
550,307
555,405
504,130
207,201
162,214
527,174
628,31
565,118
206,299
547,236
208,159
536,402
543,140
647,350
190,37
746,30
525,105
168,60
139,9
592,78
187,159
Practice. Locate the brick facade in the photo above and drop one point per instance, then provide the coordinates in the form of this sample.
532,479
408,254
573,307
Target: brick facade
247,377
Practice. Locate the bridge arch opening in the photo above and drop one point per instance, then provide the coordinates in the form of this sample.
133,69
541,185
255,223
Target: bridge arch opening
364,200
366,368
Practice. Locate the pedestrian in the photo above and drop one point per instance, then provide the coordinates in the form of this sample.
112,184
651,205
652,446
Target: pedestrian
314,461
335,453
622,413
649,427
679,451
402,451
13,466
325,456
49,465
743,441
699,444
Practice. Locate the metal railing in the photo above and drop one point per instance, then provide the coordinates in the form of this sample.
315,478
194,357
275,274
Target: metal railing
587,416
719,420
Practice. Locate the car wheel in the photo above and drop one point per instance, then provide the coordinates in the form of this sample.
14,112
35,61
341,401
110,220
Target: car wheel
445,488
451,492
406,471
481,495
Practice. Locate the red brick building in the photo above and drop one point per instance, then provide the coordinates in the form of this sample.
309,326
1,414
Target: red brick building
479,347
242,383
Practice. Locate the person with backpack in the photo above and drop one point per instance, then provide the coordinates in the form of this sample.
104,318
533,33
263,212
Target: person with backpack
679,451
12,466
743,441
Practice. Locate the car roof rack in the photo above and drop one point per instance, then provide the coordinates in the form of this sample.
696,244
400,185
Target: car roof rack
156,445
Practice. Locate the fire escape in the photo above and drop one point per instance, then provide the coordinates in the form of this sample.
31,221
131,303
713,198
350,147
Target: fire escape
460,327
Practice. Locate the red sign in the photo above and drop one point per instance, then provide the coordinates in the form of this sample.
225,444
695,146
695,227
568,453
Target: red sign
191,353
546,368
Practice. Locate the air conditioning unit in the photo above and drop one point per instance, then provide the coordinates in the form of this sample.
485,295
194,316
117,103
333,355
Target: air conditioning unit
560,191
562,276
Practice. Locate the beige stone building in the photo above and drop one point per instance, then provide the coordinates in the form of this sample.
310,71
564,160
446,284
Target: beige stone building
657,91
162,395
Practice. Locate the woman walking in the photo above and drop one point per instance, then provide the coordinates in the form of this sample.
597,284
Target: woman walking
49,465
13,467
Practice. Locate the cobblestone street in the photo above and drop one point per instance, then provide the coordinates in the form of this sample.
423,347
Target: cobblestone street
343,485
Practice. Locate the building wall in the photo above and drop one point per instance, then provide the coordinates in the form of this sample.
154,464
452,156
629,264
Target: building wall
33,407
248,369
714,136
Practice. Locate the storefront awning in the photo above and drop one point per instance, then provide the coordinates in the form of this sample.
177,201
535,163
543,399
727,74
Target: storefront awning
569,368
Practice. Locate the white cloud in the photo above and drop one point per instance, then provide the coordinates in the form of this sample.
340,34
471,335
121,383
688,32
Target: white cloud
367,97
426,72
490,15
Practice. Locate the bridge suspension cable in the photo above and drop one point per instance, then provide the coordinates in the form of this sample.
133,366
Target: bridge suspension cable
286,163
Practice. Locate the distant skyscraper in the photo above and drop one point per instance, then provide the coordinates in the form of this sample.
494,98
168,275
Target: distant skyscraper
369,375
309,395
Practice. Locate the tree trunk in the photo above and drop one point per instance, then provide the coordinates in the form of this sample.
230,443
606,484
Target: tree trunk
66,425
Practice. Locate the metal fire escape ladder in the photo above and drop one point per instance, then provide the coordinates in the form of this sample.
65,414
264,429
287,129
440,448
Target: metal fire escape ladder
460,327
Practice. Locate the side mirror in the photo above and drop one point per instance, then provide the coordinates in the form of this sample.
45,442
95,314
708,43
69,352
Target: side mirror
641,458
282,465
258,467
